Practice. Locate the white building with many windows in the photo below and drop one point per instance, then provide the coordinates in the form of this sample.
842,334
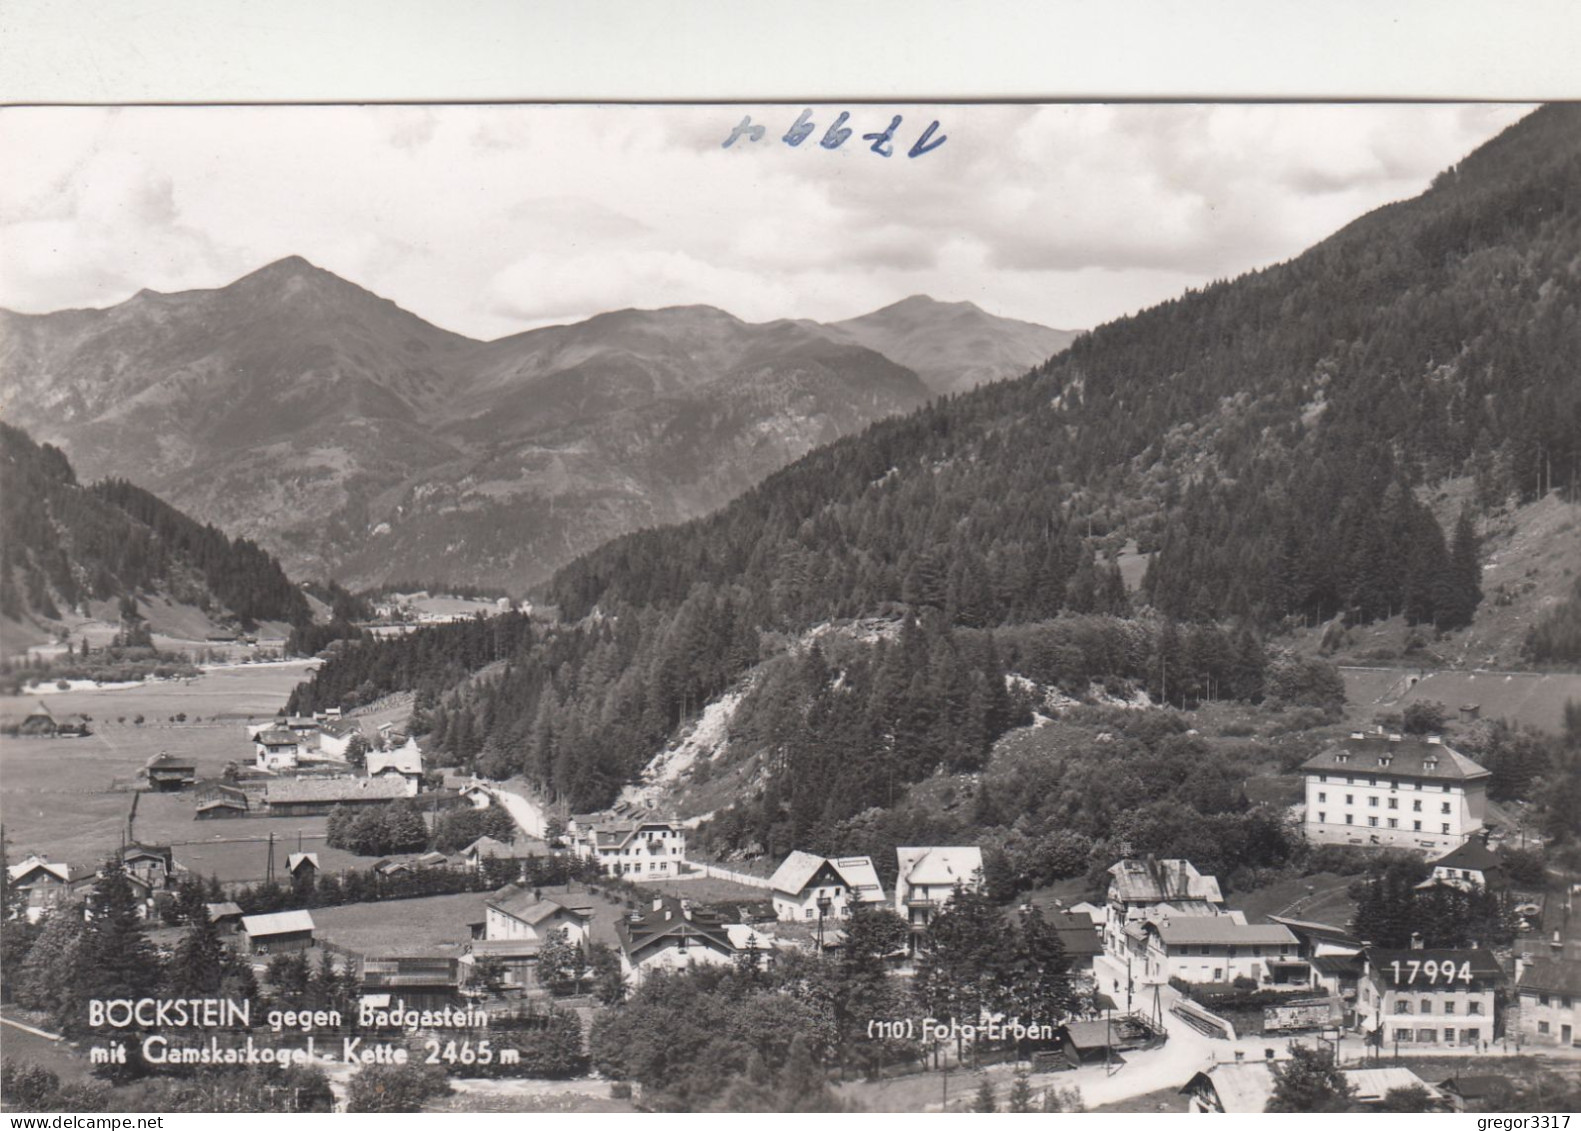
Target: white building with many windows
1424,997
1394,791
639,847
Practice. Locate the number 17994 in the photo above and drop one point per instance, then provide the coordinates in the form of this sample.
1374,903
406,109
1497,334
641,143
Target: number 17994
1432,971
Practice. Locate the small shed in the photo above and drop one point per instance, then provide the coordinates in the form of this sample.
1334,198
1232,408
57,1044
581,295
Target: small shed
283,932
226,917
168,774
302,863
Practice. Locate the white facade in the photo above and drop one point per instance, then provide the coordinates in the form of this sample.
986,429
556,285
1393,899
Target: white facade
1394,791
1216,949
804,883
634,850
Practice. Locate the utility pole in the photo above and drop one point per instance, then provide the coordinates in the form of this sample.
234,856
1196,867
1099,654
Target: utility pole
269,868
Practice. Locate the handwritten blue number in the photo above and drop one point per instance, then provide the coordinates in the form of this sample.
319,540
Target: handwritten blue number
801,131
754,133
921,145
836,136
880,142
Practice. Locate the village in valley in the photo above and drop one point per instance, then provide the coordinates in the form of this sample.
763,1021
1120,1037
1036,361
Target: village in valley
358,876
594,649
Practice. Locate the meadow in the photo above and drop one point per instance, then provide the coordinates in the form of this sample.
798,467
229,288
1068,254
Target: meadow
69,798
1529,698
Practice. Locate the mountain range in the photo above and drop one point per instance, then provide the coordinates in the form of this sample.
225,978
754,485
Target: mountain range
356,440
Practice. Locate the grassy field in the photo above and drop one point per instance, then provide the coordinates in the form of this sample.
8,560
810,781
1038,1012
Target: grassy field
70,797
1317,898
1533,698
435,920
395,926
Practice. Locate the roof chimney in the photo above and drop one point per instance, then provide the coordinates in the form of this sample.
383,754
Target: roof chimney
658,904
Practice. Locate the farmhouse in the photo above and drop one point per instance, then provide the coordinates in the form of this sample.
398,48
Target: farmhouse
152,864
928,878
638,847
519,914
1394,791
1473,866
1547,992
167,773
670,934
40,723
276,749
808,887
306,797
47,885
281,933
1427,997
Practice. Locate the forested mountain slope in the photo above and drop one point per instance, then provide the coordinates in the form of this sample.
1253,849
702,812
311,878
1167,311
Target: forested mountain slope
63,545
356,440
1264,434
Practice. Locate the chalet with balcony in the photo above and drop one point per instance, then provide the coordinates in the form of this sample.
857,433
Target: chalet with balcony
928,879
421,979
1148,889
810,888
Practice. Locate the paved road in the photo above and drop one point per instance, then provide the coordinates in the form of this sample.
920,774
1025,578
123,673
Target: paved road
526,813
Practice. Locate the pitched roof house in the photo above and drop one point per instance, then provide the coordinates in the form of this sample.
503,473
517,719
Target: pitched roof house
279,933
928,878
670,934
522,915
48,885
808,887
404,763
1472,865
165,772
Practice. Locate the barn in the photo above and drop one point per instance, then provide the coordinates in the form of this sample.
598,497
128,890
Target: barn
281,933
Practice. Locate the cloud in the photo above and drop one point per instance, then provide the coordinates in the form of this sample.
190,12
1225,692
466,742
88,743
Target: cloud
490,219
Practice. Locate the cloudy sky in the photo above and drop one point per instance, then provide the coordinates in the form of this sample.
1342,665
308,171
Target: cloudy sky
493,219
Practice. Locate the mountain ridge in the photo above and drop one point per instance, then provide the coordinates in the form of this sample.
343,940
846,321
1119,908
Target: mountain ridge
318,418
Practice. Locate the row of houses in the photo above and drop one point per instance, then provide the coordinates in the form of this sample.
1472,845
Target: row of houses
1164,921
48,885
